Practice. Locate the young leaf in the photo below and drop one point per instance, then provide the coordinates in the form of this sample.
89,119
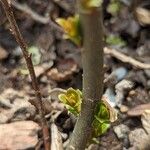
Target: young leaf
104,115
94,3
72,100
102,112
100,128
101,122
114,7
88,5
115,40
112,112
36,55
71,26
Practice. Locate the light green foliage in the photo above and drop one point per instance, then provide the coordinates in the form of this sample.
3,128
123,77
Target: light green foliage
93,3
72,100
102,119
90,5
24,71
36,55
71,27
36,58
114,7
115,40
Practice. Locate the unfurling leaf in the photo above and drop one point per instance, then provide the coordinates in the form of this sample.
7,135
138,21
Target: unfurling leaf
71,26
101,122
114,7
104,113
72,100
90,4
94,3
112,112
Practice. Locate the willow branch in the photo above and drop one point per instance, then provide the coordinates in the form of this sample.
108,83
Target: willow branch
16,33
92,62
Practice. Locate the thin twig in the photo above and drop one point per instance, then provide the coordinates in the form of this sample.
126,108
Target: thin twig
16,33
35,16
64,5
126,59
26,9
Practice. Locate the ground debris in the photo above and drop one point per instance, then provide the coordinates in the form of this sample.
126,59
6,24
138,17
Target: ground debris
138,110
19,135
143,15
14,106
139,138
64,71
121,88
3,53
121,131
56,143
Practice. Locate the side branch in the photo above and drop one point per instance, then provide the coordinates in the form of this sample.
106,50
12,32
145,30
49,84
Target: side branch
15,31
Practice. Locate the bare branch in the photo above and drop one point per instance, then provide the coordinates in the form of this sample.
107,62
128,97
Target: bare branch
16,33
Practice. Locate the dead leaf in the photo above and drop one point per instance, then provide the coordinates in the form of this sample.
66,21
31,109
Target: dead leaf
14,106
19,135
56,143
146,120
53,94
3,53
124,108
139,138
64,70
143,15
138,110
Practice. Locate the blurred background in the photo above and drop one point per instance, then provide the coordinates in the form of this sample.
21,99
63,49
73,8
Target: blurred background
58,65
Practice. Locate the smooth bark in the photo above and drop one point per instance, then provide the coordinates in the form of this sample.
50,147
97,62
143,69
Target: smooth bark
92,62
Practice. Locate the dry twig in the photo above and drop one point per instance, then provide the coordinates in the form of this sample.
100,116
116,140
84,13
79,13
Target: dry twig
64,5
126,59
26,9
35,16
16,33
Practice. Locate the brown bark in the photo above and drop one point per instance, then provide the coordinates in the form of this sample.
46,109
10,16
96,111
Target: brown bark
92,62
